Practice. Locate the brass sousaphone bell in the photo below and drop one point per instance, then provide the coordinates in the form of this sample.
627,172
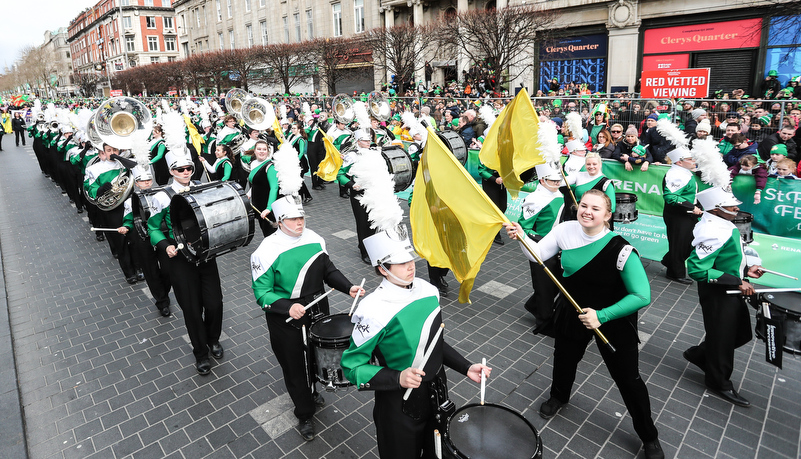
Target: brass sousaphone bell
342,108
234,100
258,114
119,122
378,106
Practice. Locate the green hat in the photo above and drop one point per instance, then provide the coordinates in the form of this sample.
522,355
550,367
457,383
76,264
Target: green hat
765,119
773,73
316,111
779,149
663,116
455,123
396,117
557,102
639,149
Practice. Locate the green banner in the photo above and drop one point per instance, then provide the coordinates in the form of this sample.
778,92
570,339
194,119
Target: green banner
779,212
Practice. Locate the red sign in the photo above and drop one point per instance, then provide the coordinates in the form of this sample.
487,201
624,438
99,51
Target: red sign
172,93
674,84
718,35
116,92
666,62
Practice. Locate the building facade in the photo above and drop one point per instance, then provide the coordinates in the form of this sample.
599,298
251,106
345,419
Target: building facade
59,55
115,35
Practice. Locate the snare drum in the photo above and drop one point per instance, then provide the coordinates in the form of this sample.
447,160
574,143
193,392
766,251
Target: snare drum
141,202
211,219
743,223
490,431
400,165
455,144
787,306
625,208
330,336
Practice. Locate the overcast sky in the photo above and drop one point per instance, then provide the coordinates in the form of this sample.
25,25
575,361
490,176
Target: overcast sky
27,20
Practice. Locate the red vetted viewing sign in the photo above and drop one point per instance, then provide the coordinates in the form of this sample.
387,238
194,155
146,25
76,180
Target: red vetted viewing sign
116,92
675,83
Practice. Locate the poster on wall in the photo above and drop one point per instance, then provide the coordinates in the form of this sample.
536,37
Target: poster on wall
675,83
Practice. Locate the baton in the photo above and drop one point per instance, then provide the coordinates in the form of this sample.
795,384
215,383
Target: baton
361,286
316,300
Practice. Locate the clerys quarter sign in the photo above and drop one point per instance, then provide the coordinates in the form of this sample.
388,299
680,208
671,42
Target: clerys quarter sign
675,83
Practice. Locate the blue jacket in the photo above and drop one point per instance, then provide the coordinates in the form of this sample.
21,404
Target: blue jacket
733,156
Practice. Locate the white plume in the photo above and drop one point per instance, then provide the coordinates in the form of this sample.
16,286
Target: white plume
708,160
360,109
672,133
413,124
174,131
141,151
165,106
548,142
287,167
184,107
574,125
371,174
487,113
159,116
84,115
306,110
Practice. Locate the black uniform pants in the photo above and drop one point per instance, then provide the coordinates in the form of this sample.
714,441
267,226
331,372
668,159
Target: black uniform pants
315,154
398,435
679,227
623,366
727,323
287,344
541,302
116,241
266,226
363,229
144,257
199,294
19,135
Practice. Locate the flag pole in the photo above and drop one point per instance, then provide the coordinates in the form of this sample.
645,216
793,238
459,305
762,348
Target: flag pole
564,177
601,336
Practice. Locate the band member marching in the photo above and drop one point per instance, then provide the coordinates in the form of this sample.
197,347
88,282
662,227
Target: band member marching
197,286
289,269
395,326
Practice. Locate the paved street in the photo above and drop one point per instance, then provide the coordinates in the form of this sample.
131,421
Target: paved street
101,374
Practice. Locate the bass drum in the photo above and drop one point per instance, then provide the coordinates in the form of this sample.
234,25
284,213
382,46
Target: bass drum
743,223
141,203
400,165
211,219
455,144
490,431
330,336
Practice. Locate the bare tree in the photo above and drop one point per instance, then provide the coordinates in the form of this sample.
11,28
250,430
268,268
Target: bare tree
242,64
287,64
337,59
502,39
87,83
401,50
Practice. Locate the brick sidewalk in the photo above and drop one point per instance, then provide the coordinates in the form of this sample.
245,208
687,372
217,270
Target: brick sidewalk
103,375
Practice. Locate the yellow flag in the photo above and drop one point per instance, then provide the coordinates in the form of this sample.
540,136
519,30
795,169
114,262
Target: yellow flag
194,136
277,131
329,166
453,220
510,146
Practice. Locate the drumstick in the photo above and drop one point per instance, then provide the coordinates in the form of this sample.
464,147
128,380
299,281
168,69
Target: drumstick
103,229
179,247
257,210
483,379
437,444
777,273
316,300
306,357
766,290
355,299
426,356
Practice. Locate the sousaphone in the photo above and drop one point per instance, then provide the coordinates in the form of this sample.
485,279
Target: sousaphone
378,106
342,108
234,100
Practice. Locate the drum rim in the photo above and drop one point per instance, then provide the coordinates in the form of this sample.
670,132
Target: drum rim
492,405
405,154
627,196
763,297
327,339
140,224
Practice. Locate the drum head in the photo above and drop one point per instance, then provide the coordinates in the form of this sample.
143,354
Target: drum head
335,326
788,301
743,217
625,197
492,431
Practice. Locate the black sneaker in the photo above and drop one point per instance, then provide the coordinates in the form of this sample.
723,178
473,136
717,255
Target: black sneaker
653,450
319,400
165,311
550,408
